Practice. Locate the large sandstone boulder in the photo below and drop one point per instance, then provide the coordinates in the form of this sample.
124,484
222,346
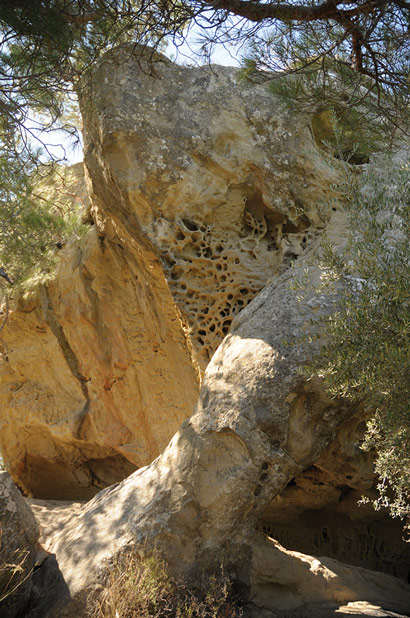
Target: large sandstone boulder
258,425
202,189
212,171
19,533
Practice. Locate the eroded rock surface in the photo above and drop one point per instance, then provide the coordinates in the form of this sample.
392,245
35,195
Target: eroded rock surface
258,425
85,398
288,580
202,188
223,181
321,511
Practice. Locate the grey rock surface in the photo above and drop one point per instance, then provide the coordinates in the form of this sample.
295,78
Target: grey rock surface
19,534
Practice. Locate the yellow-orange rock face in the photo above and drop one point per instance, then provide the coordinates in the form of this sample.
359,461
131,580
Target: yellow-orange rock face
202,189
95,376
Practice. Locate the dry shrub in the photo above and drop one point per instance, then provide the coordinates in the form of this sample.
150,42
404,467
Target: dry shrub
13,573
140,586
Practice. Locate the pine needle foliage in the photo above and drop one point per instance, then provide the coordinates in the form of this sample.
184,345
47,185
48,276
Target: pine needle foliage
367,357
46,50
34,224
317,66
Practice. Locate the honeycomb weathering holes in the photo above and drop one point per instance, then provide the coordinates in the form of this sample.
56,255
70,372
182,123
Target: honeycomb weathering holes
214,270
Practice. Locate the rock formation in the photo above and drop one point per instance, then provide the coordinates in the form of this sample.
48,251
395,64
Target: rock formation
321,512
202,189
258,425
19,534
84,375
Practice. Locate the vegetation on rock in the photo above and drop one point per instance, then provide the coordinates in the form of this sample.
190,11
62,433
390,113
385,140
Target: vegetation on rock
47,48
140,586
36,218
367,355
12,574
